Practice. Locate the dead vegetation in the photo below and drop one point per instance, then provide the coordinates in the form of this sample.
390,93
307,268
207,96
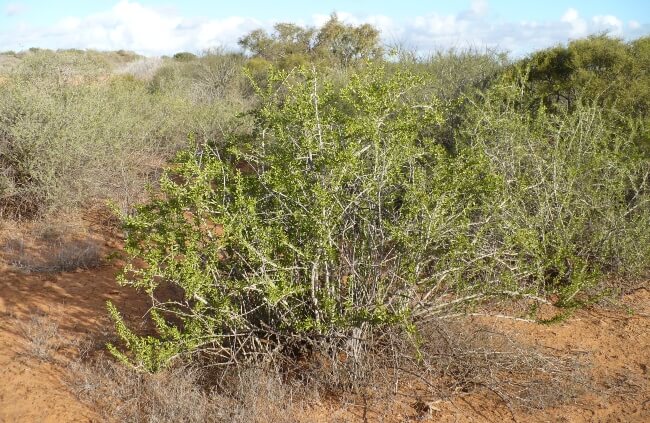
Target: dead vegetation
456,359
41,335
465,357
184,394
51,246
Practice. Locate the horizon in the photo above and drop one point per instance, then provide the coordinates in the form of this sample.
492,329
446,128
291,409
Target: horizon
153,29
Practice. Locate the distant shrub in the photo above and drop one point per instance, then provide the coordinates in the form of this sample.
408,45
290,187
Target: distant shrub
335,44
143,68
184,56
66,141
606,71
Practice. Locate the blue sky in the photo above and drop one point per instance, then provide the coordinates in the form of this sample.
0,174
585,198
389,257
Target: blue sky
155,27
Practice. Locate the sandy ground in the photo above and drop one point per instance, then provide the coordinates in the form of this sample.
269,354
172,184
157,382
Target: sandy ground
614,340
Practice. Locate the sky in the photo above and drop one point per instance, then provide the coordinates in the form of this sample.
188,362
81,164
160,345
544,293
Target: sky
164,27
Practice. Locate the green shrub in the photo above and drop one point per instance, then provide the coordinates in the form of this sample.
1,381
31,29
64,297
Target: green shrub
606,71
184,56
575,203
336,219
335,44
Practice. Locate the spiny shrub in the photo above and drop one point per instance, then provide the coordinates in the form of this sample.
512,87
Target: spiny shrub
337,218
575,199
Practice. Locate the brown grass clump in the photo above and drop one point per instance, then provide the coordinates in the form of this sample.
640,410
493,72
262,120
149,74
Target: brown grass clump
183,394
62,256
461,357
50,246
42,336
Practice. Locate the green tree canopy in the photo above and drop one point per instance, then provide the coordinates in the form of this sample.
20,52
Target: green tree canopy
335,43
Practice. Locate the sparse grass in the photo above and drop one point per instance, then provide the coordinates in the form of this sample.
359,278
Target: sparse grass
183,394
75,255
58,252
463,357
42,336
14,250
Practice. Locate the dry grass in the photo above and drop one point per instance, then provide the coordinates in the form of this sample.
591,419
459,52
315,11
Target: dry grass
75,255
183,394
144,68
42,336
63,256
52,245
462,357
455,358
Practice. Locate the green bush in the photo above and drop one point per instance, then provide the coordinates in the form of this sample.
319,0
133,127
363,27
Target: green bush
184,56
575,205
606,71
335,44
337,218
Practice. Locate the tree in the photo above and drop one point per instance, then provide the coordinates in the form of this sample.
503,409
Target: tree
335,43
348,43
598,69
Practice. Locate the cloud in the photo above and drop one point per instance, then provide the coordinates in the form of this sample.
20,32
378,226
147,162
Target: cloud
155,31
609,23
13,9
578,26
133,26
479,7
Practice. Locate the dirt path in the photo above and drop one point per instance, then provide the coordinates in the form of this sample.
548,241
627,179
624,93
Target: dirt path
72,306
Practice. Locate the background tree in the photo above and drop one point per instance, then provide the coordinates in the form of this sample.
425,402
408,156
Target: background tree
346,44
335,43
599,69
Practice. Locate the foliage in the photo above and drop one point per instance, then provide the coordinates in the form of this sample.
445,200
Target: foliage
598,69
333,197
335,43
329,223
184,56
67,138
575,204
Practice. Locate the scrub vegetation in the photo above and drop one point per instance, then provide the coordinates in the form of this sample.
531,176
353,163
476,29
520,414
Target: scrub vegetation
319,205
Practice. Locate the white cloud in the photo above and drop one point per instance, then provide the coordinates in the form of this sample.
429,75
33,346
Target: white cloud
609,23
479,7
13,9
131,25
577,24
153,31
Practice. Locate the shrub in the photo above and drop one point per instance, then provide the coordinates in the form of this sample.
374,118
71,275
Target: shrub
42,336
334,44
575,202
337,218
66,141
184,56
606,71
